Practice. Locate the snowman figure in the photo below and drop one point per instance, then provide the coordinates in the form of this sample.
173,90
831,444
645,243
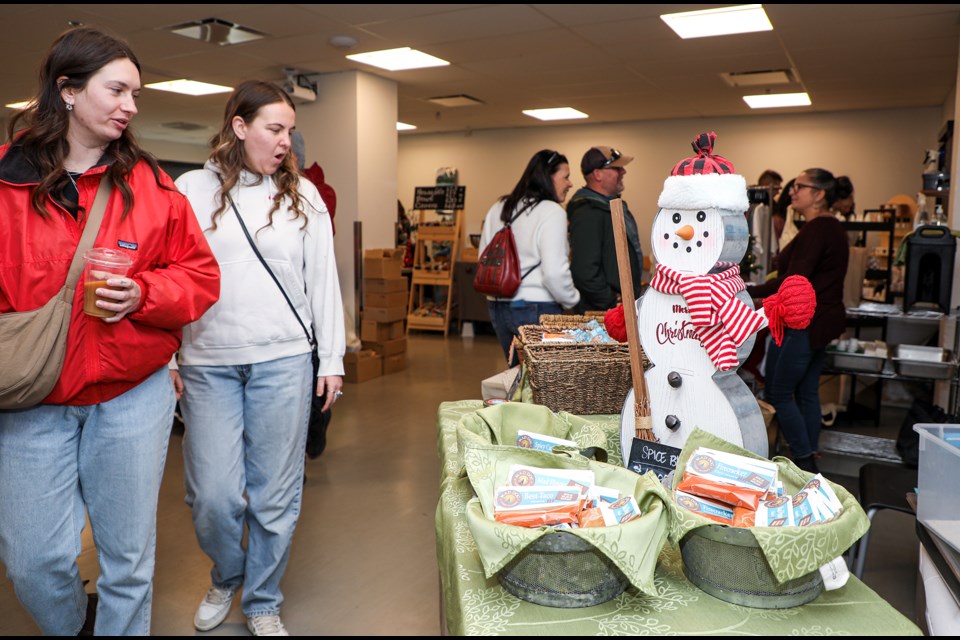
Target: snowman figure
696,321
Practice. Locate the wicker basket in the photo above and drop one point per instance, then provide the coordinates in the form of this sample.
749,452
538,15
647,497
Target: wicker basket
728,564
562,570
581,378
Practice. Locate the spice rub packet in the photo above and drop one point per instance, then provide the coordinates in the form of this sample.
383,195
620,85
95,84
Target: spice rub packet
524,476
620,512
777,512
722,513
733,479
536,506
540,442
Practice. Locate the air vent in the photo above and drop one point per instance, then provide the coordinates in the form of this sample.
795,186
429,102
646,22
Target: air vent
183,126
215,31
460,100
759,78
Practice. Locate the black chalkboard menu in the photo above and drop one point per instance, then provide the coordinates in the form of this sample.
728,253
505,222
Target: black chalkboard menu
439,197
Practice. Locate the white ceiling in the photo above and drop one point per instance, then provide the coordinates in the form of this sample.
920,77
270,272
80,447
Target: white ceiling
614,62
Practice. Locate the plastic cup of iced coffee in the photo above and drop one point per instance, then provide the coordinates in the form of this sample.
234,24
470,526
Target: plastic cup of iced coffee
100,265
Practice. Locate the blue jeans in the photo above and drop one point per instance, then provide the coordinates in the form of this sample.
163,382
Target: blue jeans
246,432
793,388
56,460
508,315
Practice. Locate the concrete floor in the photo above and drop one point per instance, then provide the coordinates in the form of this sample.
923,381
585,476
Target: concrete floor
363,559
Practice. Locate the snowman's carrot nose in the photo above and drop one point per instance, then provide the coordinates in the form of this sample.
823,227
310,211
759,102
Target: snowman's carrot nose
685,232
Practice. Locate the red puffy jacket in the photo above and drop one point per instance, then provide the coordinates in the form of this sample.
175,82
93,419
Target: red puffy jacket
172,263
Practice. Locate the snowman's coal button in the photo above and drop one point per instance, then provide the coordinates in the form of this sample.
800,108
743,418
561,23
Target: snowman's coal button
673,423
674,379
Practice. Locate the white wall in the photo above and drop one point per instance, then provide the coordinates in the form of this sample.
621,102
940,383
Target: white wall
881,150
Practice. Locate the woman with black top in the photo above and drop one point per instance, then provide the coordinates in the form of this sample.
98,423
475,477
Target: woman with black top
820,253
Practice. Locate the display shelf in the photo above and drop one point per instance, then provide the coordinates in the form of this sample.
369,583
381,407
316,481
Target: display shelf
435,234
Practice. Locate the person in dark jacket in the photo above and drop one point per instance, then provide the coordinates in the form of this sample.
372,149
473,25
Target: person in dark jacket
593,256
819,252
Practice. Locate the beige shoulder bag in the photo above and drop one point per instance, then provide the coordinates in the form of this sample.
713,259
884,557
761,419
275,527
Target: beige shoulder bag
33,343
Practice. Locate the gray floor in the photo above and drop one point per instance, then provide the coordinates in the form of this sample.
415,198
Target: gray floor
363,561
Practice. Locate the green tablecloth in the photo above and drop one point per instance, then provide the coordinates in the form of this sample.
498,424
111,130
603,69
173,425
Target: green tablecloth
476,605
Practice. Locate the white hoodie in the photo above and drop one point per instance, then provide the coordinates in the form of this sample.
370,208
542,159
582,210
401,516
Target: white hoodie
252,322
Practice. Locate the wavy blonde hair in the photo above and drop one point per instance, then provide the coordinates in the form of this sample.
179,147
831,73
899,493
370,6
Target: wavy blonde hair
228,152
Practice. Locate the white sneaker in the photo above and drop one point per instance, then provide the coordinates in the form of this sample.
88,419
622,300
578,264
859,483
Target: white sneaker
266,626
214,608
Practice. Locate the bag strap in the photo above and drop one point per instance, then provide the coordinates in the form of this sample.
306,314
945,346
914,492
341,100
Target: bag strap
253,246
90,230
507,226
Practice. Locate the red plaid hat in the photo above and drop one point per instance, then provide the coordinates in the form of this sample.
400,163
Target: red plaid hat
705,181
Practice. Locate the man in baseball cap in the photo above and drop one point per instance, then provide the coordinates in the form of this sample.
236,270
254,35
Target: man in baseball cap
593,255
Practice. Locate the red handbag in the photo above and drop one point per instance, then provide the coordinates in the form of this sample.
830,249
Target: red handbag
498,268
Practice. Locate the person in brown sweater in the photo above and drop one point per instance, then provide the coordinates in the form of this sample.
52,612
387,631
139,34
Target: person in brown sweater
820,253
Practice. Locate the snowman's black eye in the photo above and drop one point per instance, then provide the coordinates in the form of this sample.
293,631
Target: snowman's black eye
706,234
675,245
676,218
666,236
701,216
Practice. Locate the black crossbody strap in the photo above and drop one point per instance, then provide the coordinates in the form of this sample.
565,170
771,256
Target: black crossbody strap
253,245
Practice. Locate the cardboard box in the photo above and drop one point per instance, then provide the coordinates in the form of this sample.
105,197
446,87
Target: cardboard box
360,366
383,300
383,264
390,285
394,363
389,347
469,254
385,314
373,331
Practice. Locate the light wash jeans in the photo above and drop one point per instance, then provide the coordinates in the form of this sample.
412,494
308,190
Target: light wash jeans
54,461
246,431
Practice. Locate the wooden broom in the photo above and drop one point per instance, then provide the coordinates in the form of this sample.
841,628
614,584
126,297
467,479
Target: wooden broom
641,406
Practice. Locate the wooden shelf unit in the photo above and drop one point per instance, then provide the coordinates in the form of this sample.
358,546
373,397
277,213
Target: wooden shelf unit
428,272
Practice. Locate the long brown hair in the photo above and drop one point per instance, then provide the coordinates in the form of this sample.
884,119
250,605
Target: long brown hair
41,129
228,152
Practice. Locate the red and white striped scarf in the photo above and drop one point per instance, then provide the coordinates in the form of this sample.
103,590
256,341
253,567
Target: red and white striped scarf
722,321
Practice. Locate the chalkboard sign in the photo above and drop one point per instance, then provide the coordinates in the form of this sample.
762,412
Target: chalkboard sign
447,197
652,456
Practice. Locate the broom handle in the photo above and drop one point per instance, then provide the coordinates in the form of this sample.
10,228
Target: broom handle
641,398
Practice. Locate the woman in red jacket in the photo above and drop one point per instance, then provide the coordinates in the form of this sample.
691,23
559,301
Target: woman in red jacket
96,445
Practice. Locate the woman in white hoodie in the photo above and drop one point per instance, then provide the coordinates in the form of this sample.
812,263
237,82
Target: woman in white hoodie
539,227
246,365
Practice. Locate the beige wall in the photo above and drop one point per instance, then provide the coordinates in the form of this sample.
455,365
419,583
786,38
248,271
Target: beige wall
881,150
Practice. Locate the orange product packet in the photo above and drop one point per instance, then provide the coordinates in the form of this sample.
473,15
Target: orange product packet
728,493
543,516
592,517
744,518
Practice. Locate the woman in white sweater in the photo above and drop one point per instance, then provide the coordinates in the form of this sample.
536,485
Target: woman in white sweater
246,365
539,227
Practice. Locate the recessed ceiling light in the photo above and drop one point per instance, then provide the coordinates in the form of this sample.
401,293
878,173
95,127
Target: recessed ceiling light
19,105
398,59
455,101
746,18
403,126
559,113
189,87
215,31
773,100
